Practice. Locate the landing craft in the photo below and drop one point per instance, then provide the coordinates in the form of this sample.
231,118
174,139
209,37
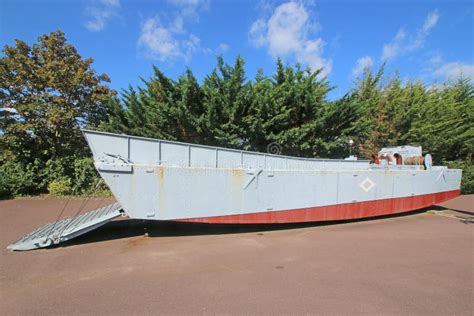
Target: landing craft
163,180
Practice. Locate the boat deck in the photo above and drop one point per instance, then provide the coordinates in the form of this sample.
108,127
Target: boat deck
133,150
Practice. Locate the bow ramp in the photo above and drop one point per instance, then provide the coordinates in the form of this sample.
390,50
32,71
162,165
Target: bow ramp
67,228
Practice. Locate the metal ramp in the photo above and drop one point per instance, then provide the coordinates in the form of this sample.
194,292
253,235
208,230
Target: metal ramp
67,228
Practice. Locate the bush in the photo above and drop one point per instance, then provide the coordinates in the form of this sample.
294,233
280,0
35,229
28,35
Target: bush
60,176
85,175
467,182
17,179
60,187
54,169
86,178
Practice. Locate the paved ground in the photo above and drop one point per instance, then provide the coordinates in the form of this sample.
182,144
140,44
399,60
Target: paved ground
419,264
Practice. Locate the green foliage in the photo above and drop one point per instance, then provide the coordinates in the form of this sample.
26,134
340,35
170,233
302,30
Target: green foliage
467,182
47,93
54,169
86,179
60,187
85,175
439,118
227,110
290,109
50,92
17,179
443,122
59,176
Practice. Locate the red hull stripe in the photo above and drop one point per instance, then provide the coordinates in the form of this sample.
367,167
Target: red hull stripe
333,212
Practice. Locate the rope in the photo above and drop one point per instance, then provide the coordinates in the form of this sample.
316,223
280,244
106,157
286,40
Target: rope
101,201
81,208
60,214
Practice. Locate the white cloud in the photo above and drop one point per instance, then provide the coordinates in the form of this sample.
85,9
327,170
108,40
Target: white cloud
404,43
190,8
172,41
436,59
431,21
454,71
177,25
189,3
99,12
161,43
286,29
265,6
223,48
311,56
158,41
257,34
286,34
361,64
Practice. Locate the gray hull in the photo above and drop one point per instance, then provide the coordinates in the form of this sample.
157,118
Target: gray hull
162,180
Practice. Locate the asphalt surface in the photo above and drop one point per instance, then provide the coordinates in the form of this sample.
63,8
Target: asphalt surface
420,263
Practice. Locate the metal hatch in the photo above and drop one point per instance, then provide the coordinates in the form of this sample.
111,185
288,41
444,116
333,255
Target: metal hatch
67,228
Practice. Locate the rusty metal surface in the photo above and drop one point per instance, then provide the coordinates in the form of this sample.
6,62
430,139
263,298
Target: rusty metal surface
155,179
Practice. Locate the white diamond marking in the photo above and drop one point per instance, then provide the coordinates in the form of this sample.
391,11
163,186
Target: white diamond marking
367,185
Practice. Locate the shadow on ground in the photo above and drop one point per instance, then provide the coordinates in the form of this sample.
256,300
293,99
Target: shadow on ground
440,208
127,228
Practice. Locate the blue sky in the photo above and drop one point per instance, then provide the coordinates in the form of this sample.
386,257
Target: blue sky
431,41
